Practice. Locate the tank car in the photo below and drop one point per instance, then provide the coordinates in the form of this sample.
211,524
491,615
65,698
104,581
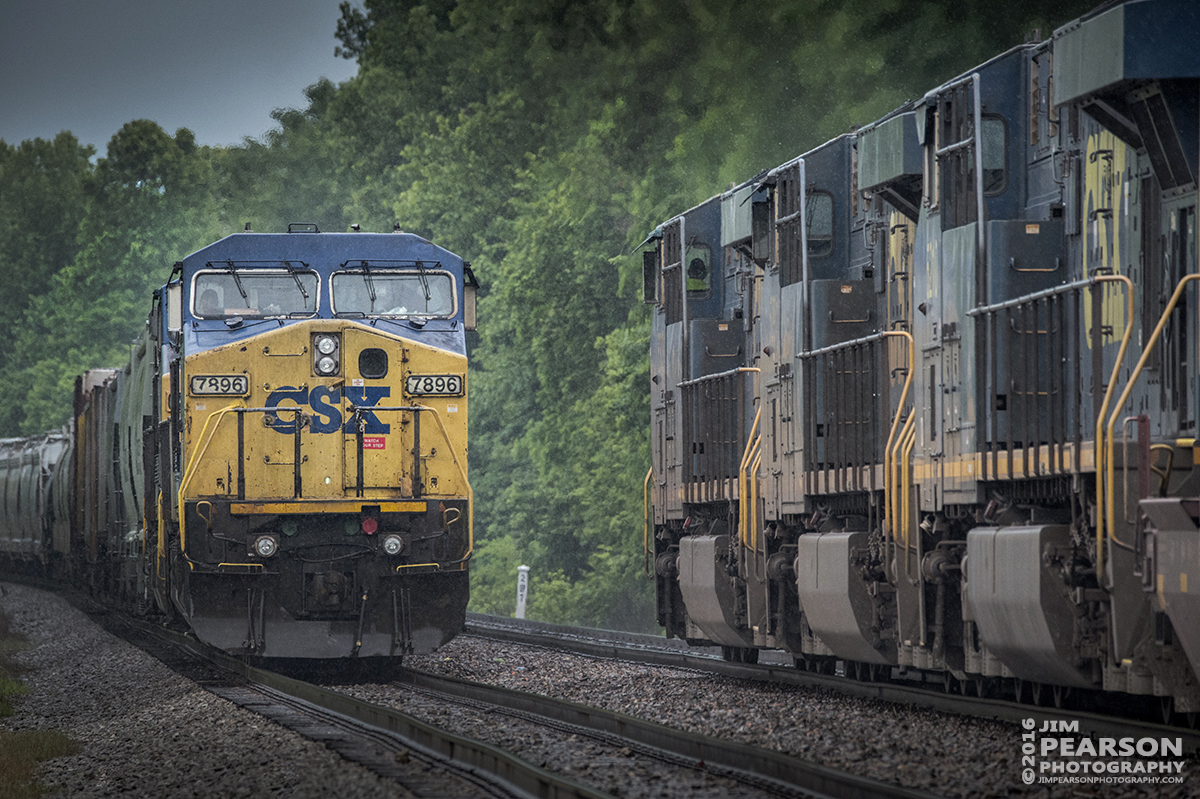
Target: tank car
283,461
926,396
27,476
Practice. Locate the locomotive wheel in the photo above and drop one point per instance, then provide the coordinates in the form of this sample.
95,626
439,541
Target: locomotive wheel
1060,693
739,654
949,682
1037,693
1167,705
873,672
812,666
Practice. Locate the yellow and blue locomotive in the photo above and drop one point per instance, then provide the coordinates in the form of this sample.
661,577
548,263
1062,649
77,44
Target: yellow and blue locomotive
283,462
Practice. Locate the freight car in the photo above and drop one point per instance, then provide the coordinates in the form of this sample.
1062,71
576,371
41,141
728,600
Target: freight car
926,396
282,463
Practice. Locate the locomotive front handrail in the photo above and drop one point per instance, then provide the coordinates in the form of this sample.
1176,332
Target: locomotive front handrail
357,412
742,478
755,529
1102,489
912,368
893,493
709,378
1038,295
194,463
241,410
190,472
1110,453
417,410
646,521
906,508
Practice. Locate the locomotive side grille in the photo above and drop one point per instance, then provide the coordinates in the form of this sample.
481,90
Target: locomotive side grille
848,408
714,409
1030,371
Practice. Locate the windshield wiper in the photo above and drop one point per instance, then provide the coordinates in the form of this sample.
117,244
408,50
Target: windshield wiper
237,280
296,277
370,284
424,283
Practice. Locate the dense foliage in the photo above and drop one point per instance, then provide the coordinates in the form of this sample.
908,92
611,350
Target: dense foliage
542,139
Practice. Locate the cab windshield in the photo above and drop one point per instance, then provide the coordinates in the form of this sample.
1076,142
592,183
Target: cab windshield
254,292
379,293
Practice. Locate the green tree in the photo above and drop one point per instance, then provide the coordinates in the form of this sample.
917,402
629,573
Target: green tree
149,203
296,174
42,204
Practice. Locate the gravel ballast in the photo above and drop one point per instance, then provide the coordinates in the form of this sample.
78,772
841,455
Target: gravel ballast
945,754
148,732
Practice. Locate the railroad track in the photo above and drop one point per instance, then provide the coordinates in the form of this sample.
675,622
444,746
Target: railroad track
772,772
427,761
778,668
425,758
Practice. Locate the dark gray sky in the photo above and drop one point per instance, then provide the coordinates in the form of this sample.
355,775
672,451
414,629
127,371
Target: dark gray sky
218,67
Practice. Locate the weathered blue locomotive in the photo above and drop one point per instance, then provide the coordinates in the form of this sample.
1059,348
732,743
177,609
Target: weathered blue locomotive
926,396
283,461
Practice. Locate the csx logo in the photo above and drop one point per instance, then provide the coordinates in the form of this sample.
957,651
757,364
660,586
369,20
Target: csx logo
326,408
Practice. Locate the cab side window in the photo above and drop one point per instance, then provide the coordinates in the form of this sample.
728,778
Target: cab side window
698,271
819,219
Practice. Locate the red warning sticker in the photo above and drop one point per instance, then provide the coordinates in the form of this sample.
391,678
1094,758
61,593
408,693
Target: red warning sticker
374,442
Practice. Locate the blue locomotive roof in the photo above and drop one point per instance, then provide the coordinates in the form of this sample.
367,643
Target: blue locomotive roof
321,251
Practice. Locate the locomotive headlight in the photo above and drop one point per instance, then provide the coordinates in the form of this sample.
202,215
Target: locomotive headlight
326,353
266,546
393,545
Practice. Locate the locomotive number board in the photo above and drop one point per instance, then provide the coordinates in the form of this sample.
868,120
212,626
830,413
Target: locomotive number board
434,385
217,385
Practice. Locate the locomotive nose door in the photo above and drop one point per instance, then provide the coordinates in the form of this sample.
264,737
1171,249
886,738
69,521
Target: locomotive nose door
374,440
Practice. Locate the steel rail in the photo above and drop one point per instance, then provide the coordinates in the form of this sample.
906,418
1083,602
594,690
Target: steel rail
777,667
760,764
465,757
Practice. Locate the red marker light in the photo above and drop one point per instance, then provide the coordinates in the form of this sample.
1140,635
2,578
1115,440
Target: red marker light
370,525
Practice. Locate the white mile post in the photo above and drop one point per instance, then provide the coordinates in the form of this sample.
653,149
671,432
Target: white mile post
522,589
